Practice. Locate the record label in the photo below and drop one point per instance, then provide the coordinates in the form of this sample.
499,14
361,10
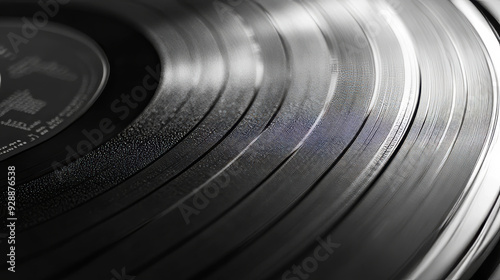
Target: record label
48,78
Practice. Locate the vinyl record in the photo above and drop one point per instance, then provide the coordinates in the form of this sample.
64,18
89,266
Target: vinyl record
250,139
